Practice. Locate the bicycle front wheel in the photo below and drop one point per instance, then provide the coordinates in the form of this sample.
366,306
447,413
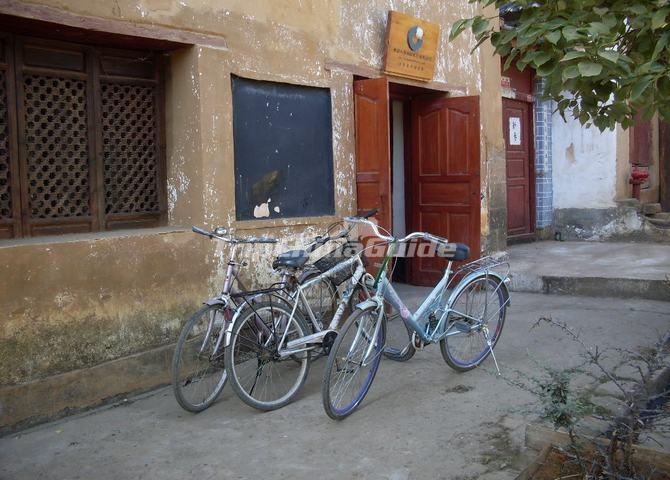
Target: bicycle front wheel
198,373
260,376
352,363
479,309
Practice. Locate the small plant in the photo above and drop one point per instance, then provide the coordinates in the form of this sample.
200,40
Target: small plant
640,380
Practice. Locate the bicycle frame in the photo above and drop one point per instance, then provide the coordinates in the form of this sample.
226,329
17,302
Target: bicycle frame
418,320
300,344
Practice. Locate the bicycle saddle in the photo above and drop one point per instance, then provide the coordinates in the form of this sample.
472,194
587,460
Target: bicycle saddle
292,259
455,251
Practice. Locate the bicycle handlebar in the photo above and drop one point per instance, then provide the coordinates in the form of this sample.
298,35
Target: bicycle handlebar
375,228
231,239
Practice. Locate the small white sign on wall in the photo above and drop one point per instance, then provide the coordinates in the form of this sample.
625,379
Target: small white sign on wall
514,131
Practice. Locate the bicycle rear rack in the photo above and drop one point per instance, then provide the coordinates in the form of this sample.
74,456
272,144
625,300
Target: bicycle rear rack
485,265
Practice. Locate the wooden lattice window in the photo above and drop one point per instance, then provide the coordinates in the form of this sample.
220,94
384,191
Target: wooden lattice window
81,138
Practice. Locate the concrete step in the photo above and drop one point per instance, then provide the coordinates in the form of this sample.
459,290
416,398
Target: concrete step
663,222
661,216
621,270
651,208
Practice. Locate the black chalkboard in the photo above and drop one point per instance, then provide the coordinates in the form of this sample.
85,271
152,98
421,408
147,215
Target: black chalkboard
283,150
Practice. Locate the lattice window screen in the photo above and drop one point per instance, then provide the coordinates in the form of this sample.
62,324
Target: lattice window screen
57,146
129,147
5,179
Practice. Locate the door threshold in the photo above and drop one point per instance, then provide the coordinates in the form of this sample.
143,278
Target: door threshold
521,238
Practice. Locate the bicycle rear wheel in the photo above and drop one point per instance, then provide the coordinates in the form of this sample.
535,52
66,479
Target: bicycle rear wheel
259,375
480,310
351,369
198,375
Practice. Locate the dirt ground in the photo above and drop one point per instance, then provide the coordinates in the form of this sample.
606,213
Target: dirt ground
420,419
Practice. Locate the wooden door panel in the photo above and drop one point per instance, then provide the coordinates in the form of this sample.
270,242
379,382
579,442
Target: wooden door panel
518,153
373,154
445,176
373,165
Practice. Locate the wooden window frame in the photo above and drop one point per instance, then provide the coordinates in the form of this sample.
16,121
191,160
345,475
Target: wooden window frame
94,72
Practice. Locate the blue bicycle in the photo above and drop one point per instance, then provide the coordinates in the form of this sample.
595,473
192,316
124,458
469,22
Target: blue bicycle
466,320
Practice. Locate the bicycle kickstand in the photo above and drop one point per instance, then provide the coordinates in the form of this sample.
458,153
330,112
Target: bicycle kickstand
488,343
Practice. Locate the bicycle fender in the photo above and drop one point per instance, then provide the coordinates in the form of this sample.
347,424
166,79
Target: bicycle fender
370,302
216,301
471,276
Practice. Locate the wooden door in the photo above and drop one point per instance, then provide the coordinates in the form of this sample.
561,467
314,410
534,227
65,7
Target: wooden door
517,130
445,178
664,164
373,160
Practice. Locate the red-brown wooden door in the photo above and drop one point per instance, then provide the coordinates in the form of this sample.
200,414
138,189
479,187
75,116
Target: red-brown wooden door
517,130
373,147
445,178
373,165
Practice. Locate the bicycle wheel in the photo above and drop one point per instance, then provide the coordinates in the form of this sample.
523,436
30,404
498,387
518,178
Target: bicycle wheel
398,342
480,310
321,297
259,375
198,376
350,370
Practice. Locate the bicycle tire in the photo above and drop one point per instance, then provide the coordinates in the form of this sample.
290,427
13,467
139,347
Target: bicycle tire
332,366
448,352
234,357
179,381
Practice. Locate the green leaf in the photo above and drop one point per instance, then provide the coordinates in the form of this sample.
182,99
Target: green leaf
571,33
553,37
610,20
547,68
610,55
589,69
639,87
458,27
658,18
638,9
479,26
571,72
660,45
572,54
598,28
541,58
663,85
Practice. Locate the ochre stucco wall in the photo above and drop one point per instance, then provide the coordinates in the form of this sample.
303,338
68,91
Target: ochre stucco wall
74,302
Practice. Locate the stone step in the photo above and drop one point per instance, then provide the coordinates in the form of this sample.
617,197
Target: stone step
659,222
661,216
651,208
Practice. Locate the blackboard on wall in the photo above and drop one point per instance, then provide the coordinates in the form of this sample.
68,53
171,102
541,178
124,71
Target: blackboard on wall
283,150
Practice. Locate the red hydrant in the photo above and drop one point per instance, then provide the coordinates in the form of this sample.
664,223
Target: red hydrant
637,178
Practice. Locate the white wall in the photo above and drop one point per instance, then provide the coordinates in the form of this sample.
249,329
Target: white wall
584,165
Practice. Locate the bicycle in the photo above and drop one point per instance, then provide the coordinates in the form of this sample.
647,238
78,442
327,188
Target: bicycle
465,323
198,372
283,334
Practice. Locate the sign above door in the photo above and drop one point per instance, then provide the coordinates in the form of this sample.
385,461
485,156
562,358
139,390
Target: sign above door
411,46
